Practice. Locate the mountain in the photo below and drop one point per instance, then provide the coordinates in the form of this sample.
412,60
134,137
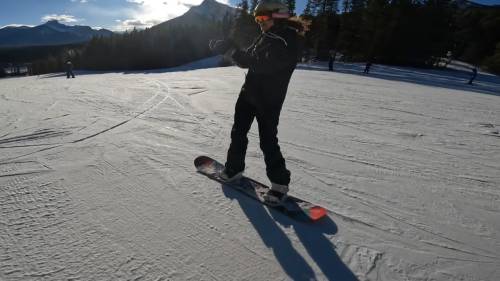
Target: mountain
172,43
209,11
49,33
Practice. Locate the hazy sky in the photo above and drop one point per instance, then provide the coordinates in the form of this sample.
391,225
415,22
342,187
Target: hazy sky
111,14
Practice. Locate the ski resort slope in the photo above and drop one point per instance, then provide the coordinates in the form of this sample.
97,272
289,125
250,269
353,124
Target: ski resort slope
97,179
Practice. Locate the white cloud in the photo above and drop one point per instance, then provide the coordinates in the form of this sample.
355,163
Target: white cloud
136,23
80,1
61,18
151,12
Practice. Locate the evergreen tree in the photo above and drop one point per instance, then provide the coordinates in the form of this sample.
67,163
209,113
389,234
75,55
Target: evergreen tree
476,34
308,10
244,28
325,26
243,5
350,40
291,6
331,7
253,4
492,63
374,31
326,7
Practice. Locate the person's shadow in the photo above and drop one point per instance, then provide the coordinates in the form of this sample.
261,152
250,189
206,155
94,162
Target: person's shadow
312,236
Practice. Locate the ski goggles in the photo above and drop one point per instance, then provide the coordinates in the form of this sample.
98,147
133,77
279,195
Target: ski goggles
259,19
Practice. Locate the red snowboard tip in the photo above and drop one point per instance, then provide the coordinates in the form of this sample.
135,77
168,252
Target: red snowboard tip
202,160
315,213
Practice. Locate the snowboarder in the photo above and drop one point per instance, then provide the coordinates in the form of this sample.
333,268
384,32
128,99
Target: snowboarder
474,74
69,69
270,60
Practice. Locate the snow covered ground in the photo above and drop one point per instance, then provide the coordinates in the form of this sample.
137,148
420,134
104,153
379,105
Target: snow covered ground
97,180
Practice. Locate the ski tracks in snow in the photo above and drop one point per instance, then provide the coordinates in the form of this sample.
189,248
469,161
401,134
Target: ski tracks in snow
97,183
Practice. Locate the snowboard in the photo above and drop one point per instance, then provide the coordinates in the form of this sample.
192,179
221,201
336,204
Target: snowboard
292,206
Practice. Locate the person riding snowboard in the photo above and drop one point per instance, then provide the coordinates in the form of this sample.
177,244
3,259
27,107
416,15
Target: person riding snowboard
270,60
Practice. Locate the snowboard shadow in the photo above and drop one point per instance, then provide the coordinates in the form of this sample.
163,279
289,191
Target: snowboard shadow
312,236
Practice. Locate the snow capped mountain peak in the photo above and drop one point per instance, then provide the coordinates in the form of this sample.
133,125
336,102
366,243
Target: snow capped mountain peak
16,26
55,25
53,22
211,9
209,3
207,11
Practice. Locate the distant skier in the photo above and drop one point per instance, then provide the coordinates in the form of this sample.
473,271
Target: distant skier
69,70
367,67
474,74
331,60
270,60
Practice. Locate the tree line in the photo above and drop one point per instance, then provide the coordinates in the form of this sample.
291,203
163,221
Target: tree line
423,33
156,47
148,49
405,32
400,32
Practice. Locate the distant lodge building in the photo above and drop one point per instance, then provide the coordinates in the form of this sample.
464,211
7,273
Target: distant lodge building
15,69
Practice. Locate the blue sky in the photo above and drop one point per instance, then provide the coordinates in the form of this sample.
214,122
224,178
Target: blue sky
111,14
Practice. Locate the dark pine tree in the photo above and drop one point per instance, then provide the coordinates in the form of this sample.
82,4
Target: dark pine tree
291,7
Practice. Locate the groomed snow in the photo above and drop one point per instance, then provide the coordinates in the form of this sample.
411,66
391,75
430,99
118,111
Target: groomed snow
97,180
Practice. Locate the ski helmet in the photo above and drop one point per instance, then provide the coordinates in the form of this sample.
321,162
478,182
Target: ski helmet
271,8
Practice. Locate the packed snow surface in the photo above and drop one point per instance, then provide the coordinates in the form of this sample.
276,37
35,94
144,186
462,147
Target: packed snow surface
97,179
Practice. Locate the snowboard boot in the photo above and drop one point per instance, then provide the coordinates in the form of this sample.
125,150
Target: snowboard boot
228,175
276,194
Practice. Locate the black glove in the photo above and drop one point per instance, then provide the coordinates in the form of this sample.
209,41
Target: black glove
239,57
221,46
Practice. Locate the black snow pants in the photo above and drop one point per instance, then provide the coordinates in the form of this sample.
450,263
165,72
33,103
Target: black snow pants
267,120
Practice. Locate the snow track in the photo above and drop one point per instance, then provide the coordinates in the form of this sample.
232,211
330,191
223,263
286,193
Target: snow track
97,180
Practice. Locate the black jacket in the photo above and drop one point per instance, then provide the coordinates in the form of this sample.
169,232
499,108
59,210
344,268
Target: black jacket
270,60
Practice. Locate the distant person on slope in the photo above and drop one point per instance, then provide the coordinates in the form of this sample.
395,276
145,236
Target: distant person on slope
367,67
473,76
331,59
270,60
69,70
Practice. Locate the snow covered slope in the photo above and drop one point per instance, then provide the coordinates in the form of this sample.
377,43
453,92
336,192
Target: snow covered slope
97,180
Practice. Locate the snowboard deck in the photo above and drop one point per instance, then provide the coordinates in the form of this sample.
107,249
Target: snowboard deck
294,207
